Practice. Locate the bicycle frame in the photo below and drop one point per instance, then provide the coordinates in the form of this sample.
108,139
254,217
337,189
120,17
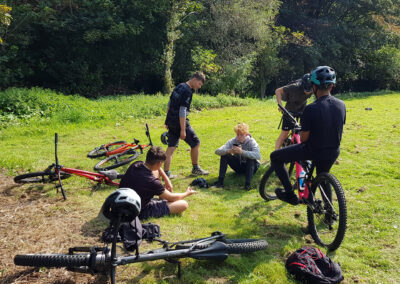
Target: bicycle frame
303,194
134,145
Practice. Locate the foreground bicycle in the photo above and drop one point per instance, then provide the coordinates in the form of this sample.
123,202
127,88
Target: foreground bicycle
124,206
326,208
57,172
118,153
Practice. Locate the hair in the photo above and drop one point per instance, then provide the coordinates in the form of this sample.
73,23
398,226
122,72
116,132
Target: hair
155,155
199,76
324,87
241,128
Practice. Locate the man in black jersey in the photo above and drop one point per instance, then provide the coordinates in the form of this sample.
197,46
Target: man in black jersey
178,124
321,133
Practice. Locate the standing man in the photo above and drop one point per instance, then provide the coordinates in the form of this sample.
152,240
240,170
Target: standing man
178,125
241,153
321,133
295,95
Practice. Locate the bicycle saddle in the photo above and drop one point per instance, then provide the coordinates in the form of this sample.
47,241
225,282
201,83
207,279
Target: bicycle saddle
111,174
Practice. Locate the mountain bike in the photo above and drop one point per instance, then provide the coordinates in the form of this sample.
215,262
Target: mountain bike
118,153
326,208
96,260
56,172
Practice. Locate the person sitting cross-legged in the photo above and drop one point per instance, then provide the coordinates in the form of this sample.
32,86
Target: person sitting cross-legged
241,153
143,177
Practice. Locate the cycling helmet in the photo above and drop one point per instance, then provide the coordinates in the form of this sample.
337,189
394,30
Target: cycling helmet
125,202
164,138
323,75
306,83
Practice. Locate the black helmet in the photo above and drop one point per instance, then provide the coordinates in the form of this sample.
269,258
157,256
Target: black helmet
323,75
164,138
306,83
125,202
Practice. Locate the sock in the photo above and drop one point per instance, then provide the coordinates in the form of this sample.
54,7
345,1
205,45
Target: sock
195,166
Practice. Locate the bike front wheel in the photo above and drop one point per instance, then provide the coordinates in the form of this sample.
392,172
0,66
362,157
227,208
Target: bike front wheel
103,149
327,213
40,177
270,181
117,160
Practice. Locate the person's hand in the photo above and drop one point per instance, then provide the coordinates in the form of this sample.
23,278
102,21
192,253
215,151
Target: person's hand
183,135
189,191
168,185
237,150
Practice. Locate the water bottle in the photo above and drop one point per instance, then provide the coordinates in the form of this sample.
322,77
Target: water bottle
301,184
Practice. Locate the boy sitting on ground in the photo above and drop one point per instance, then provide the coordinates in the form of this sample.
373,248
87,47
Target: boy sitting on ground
241,154
141,178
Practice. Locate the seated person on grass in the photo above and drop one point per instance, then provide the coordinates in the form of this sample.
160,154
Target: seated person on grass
142,177
241,153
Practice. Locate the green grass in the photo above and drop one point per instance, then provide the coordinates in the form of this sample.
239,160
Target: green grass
368,170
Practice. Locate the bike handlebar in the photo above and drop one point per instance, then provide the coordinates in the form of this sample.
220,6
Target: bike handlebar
285,111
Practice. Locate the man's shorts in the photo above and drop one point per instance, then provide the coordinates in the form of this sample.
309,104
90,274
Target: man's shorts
174,134
155,208
287,123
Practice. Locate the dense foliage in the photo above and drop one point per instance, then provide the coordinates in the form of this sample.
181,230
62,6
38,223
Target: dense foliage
245,47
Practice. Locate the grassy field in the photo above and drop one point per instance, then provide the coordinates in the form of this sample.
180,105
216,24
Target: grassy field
35,219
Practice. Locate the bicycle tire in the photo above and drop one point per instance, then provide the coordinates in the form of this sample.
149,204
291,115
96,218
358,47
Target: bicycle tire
117,160
103,149
328,229
234,246
52,260
40,177
269,182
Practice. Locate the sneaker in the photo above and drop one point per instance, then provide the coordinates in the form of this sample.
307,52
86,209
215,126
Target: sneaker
218,184
289,197
199,171
170,176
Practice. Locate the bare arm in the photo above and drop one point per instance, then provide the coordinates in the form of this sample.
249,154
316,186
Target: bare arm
182,122
304,135
167,181
278,93
171,197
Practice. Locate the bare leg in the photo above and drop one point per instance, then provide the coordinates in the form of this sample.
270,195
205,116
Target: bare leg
194,154
282,137
177,206
170,151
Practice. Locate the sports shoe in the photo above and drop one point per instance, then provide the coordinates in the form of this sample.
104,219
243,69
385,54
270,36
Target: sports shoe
199,171
218,184
170,176
288,197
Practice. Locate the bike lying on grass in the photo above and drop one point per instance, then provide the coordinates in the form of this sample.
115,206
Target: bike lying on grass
326,208
118,153
57,172
123,206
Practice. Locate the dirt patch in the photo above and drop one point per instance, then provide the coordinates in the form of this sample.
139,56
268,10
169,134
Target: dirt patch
32,222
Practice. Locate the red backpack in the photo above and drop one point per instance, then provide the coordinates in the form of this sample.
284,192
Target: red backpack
310,265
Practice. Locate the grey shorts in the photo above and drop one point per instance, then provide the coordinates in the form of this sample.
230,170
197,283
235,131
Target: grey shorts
155,208
174,134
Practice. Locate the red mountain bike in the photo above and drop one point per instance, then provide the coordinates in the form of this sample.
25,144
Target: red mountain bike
118,153
56,172
326,208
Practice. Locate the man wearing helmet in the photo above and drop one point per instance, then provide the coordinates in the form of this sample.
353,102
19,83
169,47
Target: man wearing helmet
321,132
141,178
295,95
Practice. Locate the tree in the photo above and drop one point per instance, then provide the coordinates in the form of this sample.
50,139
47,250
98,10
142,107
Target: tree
5,19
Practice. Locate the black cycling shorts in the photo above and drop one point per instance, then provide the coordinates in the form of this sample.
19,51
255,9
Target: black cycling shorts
174,134
287,123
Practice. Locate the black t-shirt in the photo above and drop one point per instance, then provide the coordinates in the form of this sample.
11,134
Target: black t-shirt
324,118
181,96
294,97
141,179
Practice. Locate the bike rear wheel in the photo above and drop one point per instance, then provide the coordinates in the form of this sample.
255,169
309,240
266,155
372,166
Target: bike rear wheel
40,177
234,246
53,260
327,218
117,160
103,149
270,181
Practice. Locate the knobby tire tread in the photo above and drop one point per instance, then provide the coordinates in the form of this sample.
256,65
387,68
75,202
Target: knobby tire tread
342,213
40,177
102,150
234,246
